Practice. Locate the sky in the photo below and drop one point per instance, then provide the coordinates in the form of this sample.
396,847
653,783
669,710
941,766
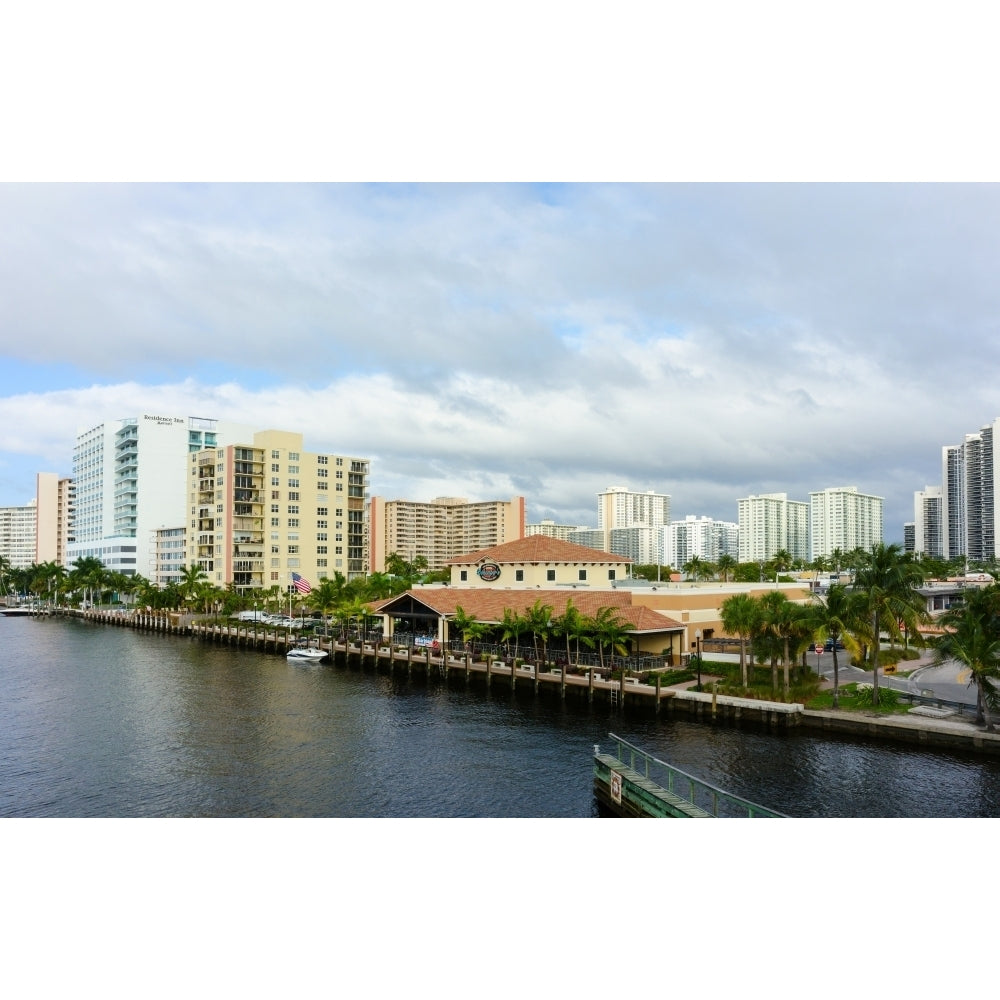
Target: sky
490,340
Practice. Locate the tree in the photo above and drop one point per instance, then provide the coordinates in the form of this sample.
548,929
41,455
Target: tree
740,617
838,616
191,577
87,575
972,638
725,565
772,631
326,596
609,630
570,625
538,621
889,580
511,627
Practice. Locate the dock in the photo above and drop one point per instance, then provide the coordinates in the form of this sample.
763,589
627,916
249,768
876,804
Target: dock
645,786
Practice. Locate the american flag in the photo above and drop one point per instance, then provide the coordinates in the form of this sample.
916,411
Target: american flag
301,584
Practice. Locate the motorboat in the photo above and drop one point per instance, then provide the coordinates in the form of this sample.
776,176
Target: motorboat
306,654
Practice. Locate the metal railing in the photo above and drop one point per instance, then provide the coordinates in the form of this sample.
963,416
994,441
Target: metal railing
700,793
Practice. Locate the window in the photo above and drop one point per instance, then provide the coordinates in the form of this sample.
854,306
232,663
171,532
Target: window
275,467
293,484
293,456
293,470
321,473
321,549
463,575
293,550
322,511
321,524
611,574
550,575
320,536
519,575
275,522
275,508
293,508
322,460
293,522
275,481
322,486
293,495
583,575
321,562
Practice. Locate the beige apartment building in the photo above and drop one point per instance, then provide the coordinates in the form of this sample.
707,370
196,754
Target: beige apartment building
260,512
440,530
54,504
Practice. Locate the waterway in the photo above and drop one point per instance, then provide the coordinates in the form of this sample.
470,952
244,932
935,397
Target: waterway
99,721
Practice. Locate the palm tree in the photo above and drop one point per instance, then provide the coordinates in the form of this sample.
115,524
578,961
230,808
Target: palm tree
326,596
838,615
191,577
740,617
567,625
725,566
538,621
772,629
511,627
972,637
609,630
889,580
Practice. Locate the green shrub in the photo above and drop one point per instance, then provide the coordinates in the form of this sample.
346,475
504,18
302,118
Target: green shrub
865,693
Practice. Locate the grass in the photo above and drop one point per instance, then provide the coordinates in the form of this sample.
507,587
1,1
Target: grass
851,700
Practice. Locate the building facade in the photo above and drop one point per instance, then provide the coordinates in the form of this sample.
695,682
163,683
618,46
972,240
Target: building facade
17,534
970,502
131,480
260,511
55,498
842,518
770,523
704,538
928,523
620,507
442,529
552,530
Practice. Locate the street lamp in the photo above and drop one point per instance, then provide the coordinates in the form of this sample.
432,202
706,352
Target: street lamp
697,653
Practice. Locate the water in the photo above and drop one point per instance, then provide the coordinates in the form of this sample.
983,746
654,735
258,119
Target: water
99,721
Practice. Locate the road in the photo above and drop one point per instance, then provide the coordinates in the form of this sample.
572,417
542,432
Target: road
949,681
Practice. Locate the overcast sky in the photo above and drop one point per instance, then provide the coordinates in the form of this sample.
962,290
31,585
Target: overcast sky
707,341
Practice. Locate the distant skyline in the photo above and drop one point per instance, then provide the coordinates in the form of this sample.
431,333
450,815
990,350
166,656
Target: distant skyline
709,341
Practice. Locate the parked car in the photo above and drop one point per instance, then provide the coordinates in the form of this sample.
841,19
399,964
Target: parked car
828,645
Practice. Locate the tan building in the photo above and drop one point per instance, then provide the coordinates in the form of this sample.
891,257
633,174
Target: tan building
54,503
664,618
260,512
538,561
170,558
440,530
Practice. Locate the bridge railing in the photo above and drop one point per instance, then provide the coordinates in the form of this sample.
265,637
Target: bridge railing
707,796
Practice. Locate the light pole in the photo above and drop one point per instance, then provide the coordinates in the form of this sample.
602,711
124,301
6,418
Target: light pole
697,653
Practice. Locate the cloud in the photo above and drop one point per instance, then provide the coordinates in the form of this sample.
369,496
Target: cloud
708,341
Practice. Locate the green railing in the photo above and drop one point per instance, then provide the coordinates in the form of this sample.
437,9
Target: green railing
702,794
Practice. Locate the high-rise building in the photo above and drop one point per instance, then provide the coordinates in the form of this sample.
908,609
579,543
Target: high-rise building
552,530
17,534
263,510
842,518
970,474
704,538
770,523
928,522
620,507
55,497
441,530
131,480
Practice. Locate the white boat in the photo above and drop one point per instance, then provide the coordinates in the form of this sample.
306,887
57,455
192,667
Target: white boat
307,654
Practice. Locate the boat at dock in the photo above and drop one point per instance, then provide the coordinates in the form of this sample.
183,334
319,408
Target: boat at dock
306,654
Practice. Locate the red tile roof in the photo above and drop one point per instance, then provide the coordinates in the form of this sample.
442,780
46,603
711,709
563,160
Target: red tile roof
489,605
539,549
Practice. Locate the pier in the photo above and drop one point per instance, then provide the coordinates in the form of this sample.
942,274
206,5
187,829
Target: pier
649,787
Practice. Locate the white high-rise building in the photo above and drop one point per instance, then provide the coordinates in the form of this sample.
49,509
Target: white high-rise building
703,537
970,508
928,522
842,518
770,523
131,480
